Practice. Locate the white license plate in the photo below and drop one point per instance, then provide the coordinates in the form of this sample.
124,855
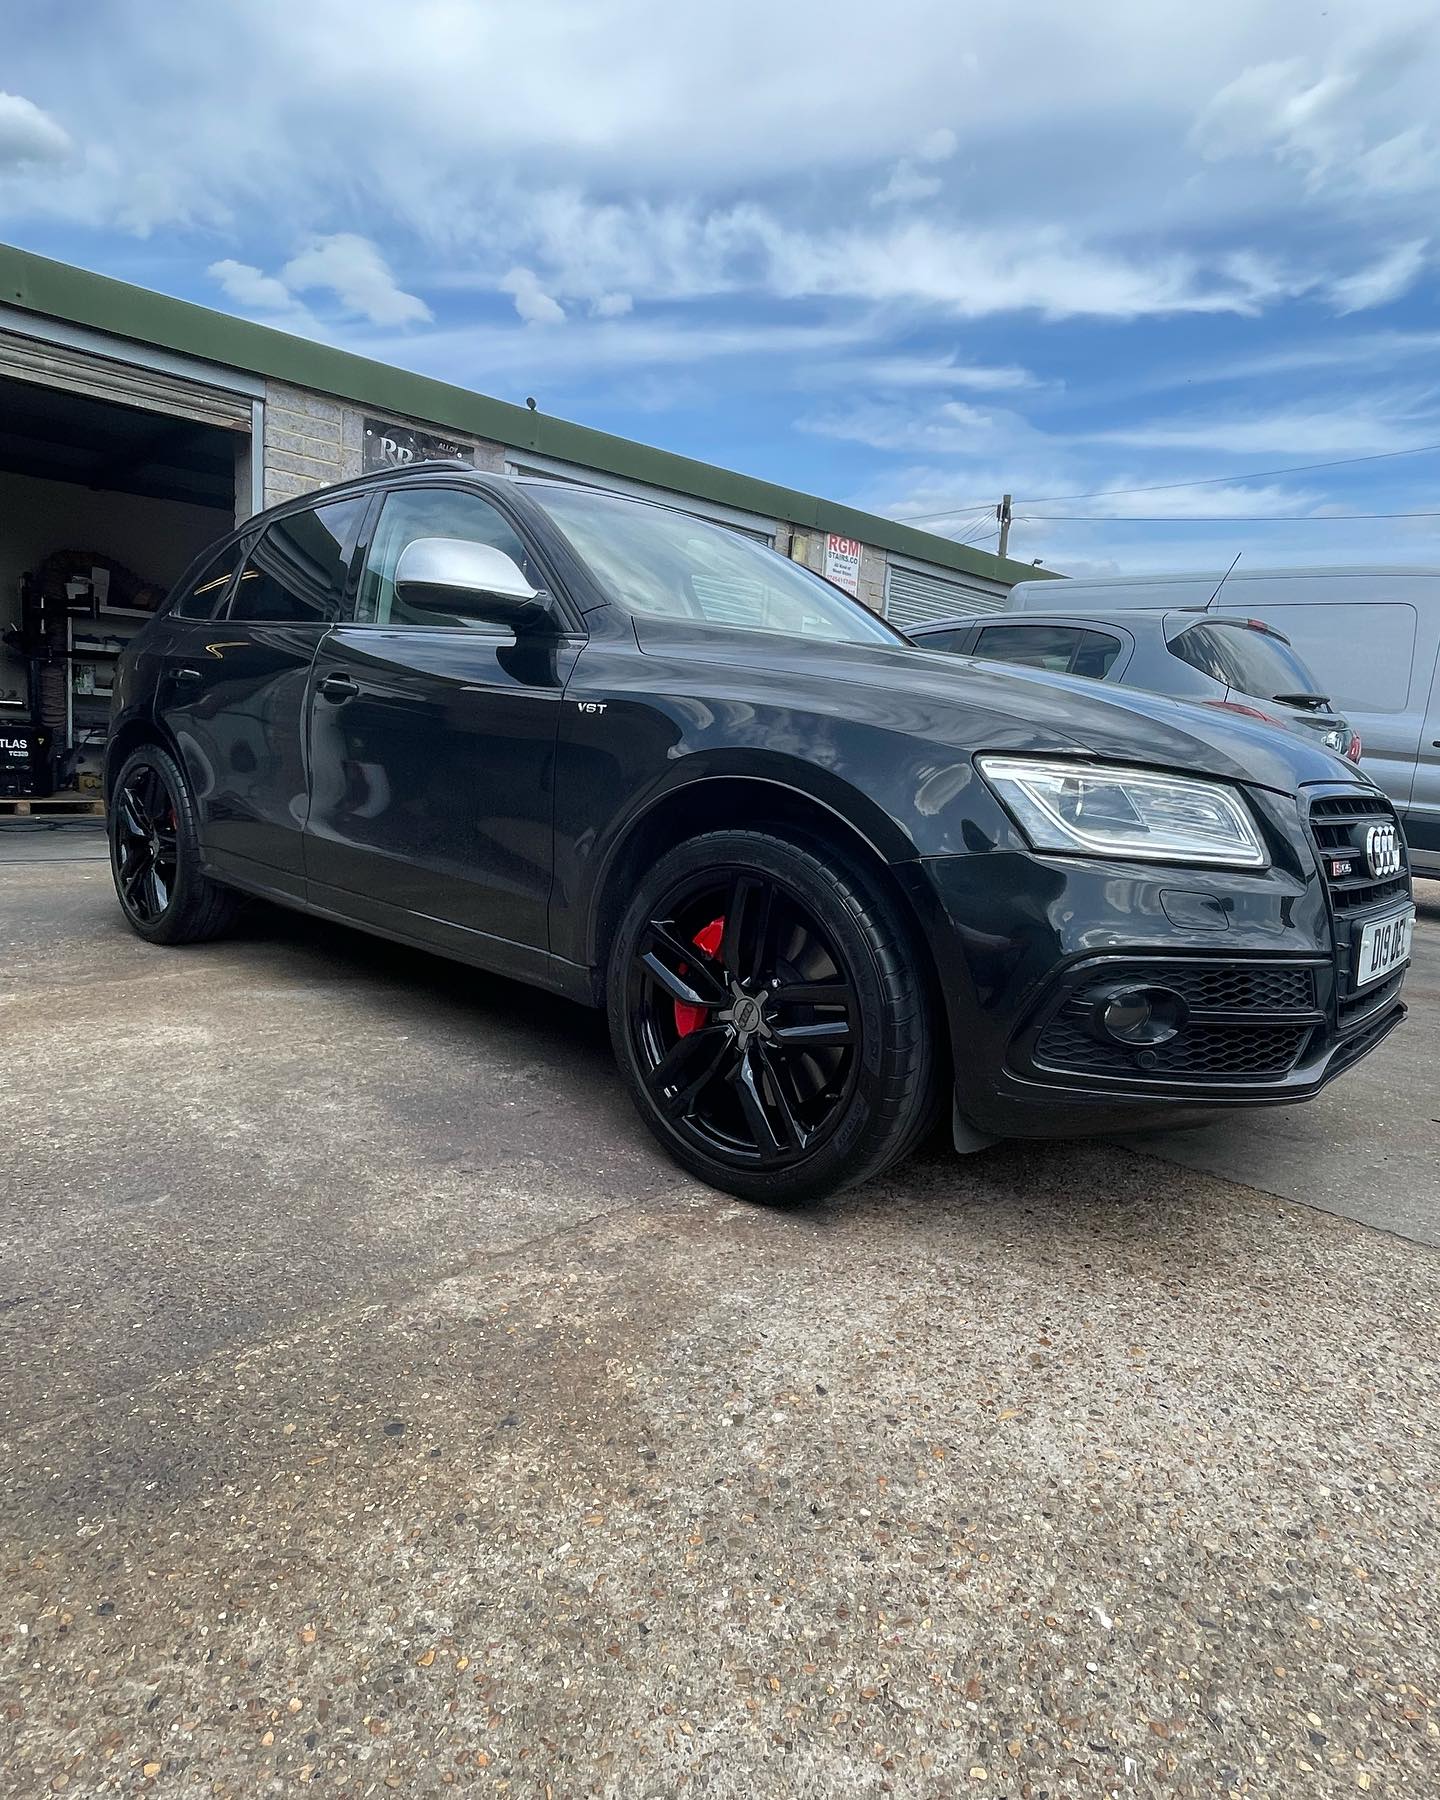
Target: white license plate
1384,945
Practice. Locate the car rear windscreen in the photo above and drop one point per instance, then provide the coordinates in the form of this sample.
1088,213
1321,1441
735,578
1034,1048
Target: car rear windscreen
1252,661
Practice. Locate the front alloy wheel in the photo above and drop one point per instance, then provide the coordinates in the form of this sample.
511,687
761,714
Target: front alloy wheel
769,1017
747,1025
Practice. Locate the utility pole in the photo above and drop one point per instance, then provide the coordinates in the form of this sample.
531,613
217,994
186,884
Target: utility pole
1002,513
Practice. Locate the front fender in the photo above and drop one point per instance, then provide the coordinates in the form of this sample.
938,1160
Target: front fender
640,734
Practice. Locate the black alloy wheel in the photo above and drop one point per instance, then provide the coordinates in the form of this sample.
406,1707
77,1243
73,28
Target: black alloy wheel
145,844
155,854
747,1022
769,1018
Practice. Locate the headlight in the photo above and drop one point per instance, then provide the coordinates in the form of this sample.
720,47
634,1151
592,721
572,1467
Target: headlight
1098,811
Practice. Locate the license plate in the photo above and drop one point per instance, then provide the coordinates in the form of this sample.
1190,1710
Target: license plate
1384,945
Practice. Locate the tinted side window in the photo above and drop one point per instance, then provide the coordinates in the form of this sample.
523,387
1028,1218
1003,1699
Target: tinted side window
412,513
943,640
1096,655
207,592
296,573
1036,646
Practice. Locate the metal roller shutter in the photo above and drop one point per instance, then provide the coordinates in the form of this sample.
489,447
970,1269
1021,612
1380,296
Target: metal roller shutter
915,598
103,378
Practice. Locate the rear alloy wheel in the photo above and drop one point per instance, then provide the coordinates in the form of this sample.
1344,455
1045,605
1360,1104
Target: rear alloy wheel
155,855
144,839
769,1017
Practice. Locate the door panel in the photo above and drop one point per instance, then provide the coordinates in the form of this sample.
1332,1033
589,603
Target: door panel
432,782
432,747
233,693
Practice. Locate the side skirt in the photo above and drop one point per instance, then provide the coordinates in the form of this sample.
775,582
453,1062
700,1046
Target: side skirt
417,931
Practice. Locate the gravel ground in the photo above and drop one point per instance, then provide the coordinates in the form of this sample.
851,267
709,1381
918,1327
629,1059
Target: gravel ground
378,1413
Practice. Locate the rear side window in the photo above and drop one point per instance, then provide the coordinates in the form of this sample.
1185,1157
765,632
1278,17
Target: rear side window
943,640
1253,662
1036,646
1096,655
206,594
1058,649
296,573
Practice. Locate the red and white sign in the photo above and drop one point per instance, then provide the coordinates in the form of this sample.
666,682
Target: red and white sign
842,562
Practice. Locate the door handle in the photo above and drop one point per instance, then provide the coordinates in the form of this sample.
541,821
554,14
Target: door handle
185,677
337,688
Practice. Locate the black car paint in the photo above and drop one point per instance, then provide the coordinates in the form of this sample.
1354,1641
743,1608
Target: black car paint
476,794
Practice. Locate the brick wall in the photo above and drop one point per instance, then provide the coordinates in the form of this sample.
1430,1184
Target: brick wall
312,441
304,447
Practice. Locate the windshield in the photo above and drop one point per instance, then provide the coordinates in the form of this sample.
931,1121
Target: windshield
665,564
1255,662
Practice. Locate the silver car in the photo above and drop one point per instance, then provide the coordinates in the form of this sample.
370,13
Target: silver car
1238,665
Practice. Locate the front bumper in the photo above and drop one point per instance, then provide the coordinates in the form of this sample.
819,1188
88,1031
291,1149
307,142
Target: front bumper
1262,959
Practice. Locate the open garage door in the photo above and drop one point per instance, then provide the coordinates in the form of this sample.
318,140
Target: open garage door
76,371
113,476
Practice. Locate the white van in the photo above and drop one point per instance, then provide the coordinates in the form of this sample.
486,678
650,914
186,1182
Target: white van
1371,635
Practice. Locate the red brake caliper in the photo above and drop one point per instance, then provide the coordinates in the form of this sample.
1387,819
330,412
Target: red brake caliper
690,1018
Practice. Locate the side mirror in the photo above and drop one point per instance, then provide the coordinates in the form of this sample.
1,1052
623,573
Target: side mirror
467,580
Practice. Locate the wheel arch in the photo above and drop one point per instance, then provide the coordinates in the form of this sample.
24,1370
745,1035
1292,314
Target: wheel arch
721,801
127,737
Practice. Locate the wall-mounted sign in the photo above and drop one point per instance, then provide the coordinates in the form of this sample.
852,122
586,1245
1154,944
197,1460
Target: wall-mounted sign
842,562
397,446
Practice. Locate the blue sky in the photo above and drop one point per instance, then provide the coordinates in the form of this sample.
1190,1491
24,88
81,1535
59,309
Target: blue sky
908,255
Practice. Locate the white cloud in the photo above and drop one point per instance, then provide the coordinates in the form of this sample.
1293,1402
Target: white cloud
1383,281
907,183
1362,428
612,306
532,303
352,268
250,287
931,372
938,146
1333,120
952,427
905,186
29,135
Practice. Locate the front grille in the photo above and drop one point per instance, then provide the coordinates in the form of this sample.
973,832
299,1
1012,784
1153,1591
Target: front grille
1220,1050
1235,987
1339,823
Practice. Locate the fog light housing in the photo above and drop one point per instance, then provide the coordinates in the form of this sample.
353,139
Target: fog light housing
1135,1016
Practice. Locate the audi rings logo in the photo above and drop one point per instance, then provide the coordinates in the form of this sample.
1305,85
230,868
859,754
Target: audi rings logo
1382,851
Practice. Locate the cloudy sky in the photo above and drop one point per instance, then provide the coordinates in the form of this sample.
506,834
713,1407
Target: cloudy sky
909,255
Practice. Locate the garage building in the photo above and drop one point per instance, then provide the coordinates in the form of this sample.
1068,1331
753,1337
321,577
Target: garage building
134,428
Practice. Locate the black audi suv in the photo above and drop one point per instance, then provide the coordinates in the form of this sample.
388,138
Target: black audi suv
827,885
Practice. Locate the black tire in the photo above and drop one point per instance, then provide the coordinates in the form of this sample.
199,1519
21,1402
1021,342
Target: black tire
155,855
802,1099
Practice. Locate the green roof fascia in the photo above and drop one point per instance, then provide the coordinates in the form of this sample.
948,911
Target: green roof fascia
79,297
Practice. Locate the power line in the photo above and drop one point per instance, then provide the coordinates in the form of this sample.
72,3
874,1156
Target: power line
1162,487
1216,518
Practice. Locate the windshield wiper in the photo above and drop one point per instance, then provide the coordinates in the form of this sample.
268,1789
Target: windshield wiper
1315,702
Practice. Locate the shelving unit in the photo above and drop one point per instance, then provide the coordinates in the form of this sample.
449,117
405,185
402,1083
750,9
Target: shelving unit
63,635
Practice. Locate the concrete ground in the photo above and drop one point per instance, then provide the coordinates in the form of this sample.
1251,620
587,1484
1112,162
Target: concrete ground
380,1412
